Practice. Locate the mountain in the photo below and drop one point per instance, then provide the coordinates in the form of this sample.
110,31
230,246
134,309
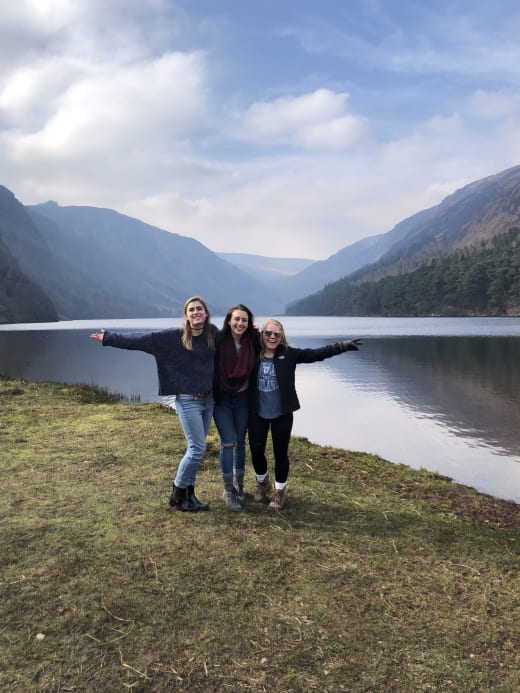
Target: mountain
97,263
342,263
293,278
263,267
480,280
464,225
21,300
472,214
145,271
72,293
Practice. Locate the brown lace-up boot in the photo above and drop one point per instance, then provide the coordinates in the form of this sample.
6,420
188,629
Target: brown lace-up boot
263,490
277,501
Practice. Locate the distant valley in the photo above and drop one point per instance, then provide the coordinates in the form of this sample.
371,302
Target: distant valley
264,268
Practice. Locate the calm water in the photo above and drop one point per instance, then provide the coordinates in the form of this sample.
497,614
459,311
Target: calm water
443,394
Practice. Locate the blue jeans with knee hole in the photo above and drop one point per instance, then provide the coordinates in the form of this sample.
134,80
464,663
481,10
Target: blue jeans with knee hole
231,414
195,416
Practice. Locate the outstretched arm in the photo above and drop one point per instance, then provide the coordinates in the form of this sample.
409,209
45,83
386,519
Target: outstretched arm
352,344
98,335
137,341
325,352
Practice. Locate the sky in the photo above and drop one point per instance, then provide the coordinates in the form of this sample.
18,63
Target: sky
283,128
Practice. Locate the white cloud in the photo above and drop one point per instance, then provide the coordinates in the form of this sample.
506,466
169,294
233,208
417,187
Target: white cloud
313,120
287,113
308,208
35,21
118,128
115,104
339,133
91,30
94,104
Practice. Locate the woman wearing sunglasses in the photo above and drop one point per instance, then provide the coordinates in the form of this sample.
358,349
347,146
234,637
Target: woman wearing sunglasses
273,400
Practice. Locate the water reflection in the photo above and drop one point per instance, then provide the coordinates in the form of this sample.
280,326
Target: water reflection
470,384
71,357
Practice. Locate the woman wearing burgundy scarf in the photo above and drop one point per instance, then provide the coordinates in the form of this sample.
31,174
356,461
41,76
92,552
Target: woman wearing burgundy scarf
237,346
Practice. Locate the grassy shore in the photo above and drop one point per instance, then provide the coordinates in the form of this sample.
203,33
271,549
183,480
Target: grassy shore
375,578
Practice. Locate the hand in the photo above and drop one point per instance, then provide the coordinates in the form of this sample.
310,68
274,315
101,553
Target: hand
352,344
98,335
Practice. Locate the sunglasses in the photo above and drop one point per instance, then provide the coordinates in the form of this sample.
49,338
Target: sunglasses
272,333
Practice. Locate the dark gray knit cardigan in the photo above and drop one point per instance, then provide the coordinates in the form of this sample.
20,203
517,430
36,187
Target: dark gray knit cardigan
179,371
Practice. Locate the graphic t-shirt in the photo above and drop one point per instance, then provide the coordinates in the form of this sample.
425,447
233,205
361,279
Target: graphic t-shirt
269,401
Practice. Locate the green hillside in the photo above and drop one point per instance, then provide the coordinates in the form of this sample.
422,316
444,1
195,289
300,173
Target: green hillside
481,280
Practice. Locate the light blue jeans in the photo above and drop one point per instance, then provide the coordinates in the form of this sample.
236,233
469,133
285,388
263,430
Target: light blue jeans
231,415
195,416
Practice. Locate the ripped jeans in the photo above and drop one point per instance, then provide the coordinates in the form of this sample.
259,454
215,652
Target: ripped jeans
230,415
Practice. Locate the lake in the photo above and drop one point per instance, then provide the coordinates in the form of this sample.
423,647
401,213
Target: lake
438,393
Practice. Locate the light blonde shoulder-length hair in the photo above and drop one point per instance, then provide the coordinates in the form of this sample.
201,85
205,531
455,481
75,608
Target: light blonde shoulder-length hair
279,326
187,335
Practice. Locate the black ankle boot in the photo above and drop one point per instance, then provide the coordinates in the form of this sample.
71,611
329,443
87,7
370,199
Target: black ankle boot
176,496
180,501
190,495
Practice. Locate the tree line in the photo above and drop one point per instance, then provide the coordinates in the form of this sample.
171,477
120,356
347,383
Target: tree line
480,280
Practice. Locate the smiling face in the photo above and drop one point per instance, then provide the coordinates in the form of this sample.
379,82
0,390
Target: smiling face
271,336
196,315
238,323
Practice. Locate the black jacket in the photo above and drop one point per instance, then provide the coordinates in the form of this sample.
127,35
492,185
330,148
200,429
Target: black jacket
286,359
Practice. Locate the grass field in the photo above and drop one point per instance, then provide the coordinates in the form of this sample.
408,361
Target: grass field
375,578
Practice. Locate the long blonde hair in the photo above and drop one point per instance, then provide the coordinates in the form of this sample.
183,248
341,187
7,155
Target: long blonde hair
272,321
187,335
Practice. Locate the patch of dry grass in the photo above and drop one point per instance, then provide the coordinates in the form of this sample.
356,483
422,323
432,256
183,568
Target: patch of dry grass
375,578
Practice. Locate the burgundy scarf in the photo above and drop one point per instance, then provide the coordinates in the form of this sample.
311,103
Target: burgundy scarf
235,366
